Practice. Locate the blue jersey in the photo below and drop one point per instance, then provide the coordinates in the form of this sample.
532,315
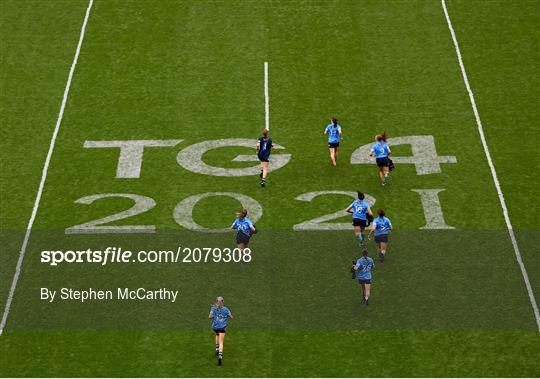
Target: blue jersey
265,145
380,149
220,316
243,225
359,208
333,133
382,225
365,265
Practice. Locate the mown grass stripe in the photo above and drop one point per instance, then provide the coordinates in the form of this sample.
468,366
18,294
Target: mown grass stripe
44,172
517,252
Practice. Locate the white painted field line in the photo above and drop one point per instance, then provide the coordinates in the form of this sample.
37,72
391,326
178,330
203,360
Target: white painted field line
22,252
266,98
532,299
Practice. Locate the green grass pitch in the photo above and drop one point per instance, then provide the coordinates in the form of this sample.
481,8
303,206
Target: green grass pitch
447,302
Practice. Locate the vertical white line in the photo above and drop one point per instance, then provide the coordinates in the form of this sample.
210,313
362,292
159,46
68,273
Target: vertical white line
266,98
532,299
22,252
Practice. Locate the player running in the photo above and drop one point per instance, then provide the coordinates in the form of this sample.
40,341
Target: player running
381,151
364,265
381,227
361,212
244,229
333,130
219,314
264,147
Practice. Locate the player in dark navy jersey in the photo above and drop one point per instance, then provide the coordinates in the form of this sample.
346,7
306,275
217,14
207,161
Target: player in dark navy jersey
264,148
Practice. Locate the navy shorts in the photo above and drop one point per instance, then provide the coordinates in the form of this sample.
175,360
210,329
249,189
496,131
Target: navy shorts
364,281
333,145
359,222
218,331
241,238
383,162
264,159
381,238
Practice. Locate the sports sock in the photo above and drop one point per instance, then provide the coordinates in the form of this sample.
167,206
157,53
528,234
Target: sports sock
217,347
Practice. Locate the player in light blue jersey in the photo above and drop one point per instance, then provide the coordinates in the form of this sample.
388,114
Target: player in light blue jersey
381,227
264,148
381,151
333,130
361,217
244,229
363,267
220,315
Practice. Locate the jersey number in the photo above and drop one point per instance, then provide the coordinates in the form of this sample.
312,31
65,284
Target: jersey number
320,223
